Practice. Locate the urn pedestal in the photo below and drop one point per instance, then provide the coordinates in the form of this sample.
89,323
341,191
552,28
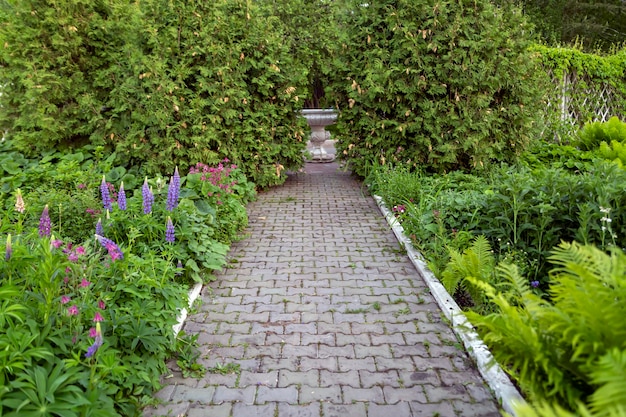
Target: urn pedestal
318,119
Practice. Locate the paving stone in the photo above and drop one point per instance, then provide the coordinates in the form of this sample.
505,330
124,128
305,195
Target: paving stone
269,378
446,393
364,351
225,394
247,410
169,409
224,410
399,409
327,394
412,378
198,395
329,363
325,339
292,410
372,378
444,409
373,394
344,410
287,378
396,395
482,409
269,394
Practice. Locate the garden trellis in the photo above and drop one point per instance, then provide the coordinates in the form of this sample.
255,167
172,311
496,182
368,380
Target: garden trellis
576,100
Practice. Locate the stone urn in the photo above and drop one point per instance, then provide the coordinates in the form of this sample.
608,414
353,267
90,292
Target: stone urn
318,119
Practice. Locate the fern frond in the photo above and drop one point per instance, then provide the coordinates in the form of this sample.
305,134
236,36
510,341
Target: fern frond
609,373
477,261
589,292
453,275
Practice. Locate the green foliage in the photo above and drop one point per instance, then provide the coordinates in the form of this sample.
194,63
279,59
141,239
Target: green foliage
522,211
593,134
444,85
476,262
571,349
160,83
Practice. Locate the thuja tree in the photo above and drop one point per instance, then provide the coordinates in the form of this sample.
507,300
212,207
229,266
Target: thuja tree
216,81
52,62
162,83
445,84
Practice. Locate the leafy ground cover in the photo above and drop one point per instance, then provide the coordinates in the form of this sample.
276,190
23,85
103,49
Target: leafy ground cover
535,252
95,270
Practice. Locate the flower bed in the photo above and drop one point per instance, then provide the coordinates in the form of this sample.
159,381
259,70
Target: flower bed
86,325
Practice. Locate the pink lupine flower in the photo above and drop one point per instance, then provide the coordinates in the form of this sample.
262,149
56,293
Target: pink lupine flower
98,317
92,332
19,201
101,305
80,250
65,299
72,311
84,283
57,243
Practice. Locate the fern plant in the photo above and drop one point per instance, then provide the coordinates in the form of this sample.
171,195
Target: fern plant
476,262
573,348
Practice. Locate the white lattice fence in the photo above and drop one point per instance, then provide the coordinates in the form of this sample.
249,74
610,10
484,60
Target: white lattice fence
578,100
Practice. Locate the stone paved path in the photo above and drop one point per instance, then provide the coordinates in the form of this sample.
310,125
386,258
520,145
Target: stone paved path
326,317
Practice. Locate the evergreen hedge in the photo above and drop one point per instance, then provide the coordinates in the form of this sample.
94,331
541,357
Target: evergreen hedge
161,82
446,84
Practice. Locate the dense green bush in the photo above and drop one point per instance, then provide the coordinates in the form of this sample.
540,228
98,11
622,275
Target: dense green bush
161,83
444,85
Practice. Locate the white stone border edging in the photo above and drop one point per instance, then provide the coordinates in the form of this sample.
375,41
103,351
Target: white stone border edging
182,316
495,377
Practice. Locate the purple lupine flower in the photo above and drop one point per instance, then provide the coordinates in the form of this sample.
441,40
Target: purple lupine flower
96,343
9,248
121,197
114,251
44,223
170,235
106,196
148,197
99,228
534,284
173,191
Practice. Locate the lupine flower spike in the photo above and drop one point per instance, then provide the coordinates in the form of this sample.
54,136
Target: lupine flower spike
99,228
19,202
170,235
121,197
9,248
44,223
106,197
148,197
173,192
114,251
96,343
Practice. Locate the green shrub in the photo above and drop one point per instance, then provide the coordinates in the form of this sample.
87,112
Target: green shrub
162,84
523,212
444,85
573,349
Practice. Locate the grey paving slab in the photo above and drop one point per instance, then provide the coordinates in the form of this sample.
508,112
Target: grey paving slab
325,317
